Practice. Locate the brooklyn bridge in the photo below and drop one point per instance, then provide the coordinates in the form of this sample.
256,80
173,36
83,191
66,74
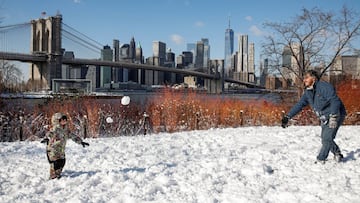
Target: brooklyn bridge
46,57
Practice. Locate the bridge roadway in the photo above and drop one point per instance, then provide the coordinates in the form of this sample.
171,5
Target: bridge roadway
41,57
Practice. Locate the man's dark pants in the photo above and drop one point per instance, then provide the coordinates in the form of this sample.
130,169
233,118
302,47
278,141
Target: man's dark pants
327,139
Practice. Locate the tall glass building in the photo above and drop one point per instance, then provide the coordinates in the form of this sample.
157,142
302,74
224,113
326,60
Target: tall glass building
192,47
206,52
199,58
105,71
229,48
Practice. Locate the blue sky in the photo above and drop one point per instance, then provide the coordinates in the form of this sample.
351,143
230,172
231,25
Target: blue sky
175,22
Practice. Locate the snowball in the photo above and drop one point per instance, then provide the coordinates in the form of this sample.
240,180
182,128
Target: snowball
125,100
109,120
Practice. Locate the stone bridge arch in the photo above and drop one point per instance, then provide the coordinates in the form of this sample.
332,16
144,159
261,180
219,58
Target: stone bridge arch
46,40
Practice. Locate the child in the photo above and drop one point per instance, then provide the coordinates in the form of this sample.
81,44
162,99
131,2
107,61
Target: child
56,141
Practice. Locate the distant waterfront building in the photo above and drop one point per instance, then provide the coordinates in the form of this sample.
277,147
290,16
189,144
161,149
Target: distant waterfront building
170,58
159,52
105,71
132,49
72,72
192,48
139,59
125,53
199,58
229,48
117,72
132,73
206,52
65,69
158,59
242,62
180,61
264,68
346,65
116,47
188,58
91,75
216,68
251,65
351,65
125,57
289,62
170,78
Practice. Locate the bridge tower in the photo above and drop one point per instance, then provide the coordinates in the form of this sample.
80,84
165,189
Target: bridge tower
46,40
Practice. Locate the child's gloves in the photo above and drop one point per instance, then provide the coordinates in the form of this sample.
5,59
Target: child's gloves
45,140
84,144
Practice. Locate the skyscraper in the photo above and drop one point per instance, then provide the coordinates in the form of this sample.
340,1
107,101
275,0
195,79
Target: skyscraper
242,62
158,59
170,78
139,58
251,65
243,53
206,52
192,47
116,46
199,58
188,57
132,73
116,72
132,50
264,71
139,54
229,48
125,57
159,52
105,71
289,61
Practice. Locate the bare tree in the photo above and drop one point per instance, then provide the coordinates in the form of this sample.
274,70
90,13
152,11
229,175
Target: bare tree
10,75
313,39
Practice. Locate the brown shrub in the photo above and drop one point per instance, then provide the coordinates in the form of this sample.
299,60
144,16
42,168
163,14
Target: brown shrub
349,92
171,110
189,110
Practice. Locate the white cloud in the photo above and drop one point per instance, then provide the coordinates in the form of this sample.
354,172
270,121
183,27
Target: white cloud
77,1
177,39
256,31
248,18
199,24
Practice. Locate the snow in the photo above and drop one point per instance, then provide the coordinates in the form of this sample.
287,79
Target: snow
250,164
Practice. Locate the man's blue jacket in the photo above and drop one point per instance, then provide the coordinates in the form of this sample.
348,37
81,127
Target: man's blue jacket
323,100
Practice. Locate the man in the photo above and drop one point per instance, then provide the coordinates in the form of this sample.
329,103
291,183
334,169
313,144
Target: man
322,98
56,141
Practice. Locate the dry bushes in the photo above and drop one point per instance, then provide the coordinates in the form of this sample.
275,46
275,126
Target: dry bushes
172,111
349,92
94,117
176,111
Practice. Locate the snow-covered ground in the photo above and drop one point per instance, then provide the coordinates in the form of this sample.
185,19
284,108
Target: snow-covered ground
250,164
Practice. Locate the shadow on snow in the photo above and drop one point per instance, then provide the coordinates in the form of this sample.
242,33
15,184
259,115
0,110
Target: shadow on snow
351,156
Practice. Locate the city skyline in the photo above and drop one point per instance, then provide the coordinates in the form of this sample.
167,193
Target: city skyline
173,22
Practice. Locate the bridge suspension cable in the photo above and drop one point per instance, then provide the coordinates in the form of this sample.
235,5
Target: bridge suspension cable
73,30
15,26
80,41
14,38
